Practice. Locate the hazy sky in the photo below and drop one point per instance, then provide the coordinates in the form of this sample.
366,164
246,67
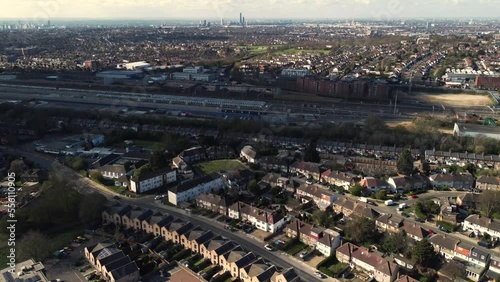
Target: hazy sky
229,9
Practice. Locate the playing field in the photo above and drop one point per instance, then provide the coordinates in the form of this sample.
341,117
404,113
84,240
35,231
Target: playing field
457,100
219,165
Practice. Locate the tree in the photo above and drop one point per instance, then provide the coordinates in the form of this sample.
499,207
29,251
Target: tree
362,231
382,195
322,218
17,167
311,154
96,176
78,163
356,189
423,253
395,243
157,160
405,163
33,245
489,202
253,186
91,207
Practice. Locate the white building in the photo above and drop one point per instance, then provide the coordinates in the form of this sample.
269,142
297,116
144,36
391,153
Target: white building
133,65
328,243
152,180
481,225
191,189
265,220
248,153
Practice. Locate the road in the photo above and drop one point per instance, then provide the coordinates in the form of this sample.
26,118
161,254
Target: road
88,186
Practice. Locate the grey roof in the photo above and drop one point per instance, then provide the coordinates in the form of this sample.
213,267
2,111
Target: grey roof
125,270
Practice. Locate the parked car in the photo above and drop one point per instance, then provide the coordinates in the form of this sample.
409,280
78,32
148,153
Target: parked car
413,196
418,219
303,254
319,274
268,247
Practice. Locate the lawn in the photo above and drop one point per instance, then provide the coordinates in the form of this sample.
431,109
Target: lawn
4,252
219,165
331,266
293,247
61,240
148,144
297,51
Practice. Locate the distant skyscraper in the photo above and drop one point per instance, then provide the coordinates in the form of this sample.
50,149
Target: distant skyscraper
221,21
241,18
243,21
48,23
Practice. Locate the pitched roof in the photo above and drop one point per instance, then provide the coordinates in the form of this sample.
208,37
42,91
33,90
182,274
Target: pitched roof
406,278
488,180
414,230
249,151
125,270
390,220
213,199
188,185
484,222
444,242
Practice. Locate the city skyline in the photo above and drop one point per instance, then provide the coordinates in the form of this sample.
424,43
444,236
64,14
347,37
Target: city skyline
252,9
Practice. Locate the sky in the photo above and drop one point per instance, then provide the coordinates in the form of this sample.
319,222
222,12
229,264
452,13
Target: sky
40,10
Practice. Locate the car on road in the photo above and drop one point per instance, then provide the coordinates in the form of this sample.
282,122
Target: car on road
116,197
68,249
319,274
413,196
269,247
431,232
418,219
444,229
82,238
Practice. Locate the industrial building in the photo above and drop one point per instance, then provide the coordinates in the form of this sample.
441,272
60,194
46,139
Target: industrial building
111,76
197,73
133,65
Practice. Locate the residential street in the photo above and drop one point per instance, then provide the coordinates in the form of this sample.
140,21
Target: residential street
86,185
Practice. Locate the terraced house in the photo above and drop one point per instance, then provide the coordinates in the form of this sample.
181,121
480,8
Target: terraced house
230,256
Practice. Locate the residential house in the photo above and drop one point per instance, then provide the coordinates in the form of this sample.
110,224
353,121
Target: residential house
374,184
378,267
488,183
322,197
459,181
414,231
287,275
34,175
406,278
113,214
481,225
189,190
468,201
274,163
149,222
193,155
249,154
493,272
444,245
91,252
344,206
169,227
265,220
328,242
389,223
196,238
238,179
364,210
308,169
404,183
159,224
340,179
258,271
479,257
271,179
237,261
127,273
212,202
179,164
463,251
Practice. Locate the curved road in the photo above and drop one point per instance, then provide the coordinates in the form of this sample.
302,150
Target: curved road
87,186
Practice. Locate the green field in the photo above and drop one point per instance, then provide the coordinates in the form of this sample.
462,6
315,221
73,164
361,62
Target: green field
148,144
297,51
219,165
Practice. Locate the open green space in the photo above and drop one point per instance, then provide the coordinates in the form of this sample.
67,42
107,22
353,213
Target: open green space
297,51
219,165
148,144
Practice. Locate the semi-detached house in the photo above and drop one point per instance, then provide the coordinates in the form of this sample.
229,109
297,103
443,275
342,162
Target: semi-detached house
481,225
